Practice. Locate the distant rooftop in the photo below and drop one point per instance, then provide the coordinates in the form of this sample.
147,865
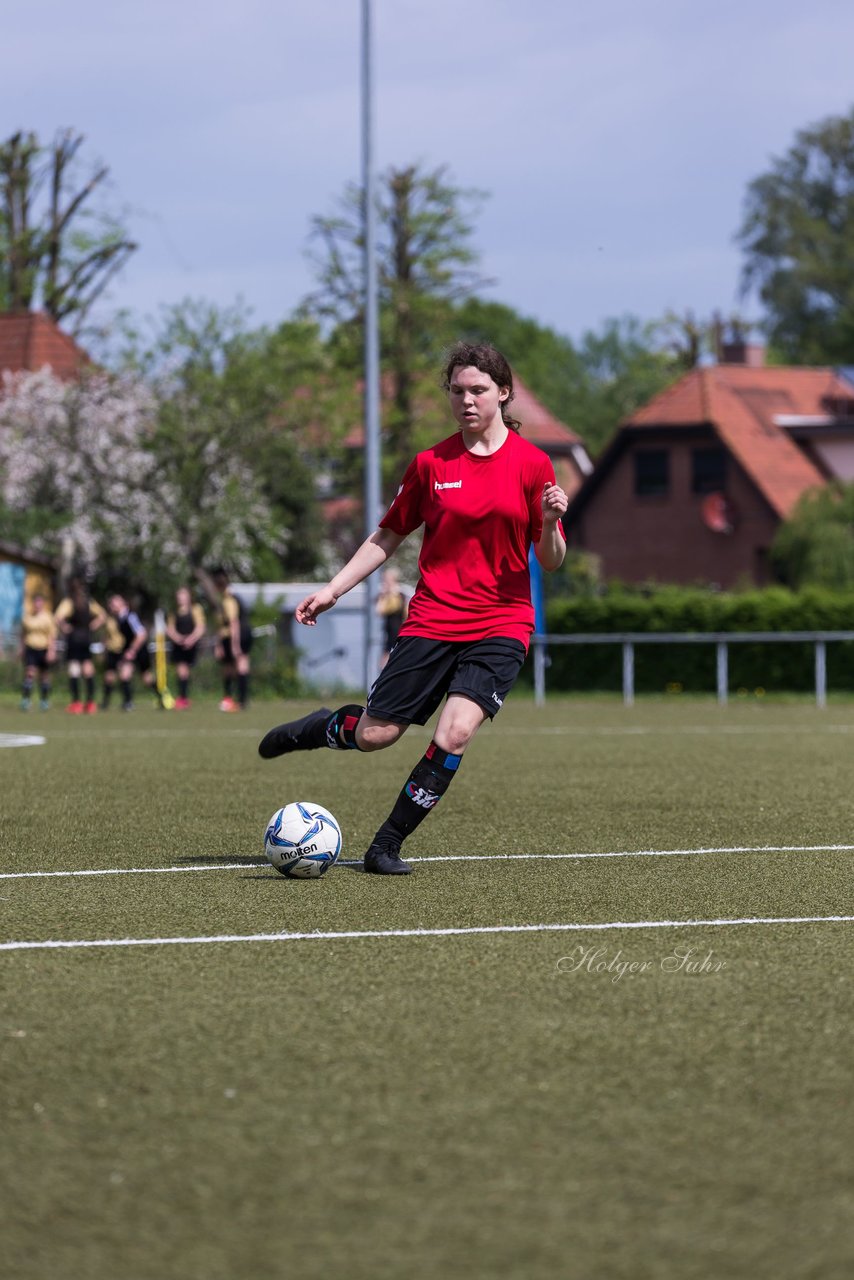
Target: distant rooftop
31,340
751,409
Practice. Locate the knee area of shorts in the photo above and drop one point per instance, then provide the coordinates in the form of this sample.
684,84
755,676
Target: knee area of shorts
74,669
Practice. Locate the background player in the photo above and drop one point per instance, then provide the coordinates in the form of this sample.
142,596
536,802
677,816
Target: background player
37,651
135,655
391,606
78,618
185,628
484,496
114,646
233,645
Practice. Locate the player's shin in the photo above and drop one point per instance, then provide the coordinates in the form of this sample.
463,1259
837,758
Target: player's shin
424,788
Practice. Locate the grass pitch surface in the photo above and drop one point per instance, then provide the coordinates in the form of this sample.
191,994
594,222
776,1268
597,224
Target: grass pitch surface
667,1100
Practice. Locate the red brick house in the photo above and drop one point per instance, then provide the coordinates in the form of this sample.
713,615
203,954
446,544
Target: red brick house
693,487
31,340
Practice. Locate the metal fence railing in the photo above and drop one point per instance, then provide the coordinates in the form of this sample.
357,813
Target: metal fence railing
721,639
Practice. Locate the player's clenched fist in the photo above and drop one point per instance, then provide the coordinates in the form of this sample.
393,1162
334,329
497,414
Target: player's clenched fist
555,502
318,602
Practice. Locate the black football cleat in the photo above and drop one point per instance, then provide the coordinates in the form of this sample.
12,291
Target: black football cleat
385,860
306,734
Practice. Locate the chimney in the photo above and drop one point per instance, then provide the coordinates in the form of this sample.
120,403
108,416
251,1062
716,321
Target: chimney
750,354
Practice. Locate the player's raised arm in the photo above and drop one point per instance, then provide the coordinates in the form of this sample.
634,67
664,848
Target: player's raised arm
373,552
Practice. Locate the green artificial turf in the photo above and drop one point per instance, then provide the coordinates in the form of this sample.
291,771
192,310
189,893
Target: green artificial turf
464,1105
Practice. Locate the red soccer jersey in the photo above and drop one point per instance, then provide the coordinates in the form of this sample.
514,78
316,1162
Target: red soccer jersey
480,516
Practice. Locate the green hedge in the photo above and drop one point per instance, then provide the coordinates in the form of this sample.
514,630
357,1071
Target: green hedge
772,667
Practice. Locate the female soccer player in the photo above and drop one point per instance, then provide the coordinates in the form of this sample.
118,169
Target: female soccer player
391,607
114,647
38,651
233,645
134,655
484,496
185,628
78,618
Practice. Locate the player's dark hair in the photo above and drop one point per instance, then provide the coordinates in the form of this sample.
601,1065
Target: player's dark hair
483,356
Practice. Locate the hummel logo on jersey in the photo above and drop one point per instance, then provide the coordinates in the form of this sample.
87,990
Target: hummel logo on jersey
449,484
426,799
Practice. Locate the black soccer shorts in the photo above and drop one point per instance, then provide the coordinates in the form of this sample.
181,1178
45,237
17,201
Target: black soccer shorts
36,658
180,654
420,673
246,639
78,647
141,661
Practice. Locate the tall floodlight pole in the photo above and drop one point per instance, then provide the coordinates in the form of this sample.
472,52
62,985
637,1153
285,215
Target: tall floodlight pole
372,349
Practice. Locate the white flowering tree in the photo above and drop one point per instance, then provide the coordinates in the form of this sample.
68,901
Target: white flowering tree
141,487
73,459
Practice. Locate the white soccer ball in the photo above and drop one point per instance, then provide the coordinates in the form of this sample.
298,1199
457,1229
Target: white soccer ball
302,840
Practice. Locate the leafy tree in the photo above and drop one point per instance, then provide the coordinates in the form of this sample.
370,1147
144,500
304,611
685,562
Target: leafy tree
815,546
426,262
688,338
58,250
798,239
238,436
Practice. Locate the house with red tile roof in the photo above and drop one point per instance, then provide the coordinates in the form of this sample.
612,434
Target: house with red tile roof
693,486
31,340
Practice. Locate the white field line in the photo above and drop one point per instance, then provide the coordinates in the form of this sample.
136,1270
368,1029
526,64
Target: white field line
540,731
21,740
76,944
450,857
638,730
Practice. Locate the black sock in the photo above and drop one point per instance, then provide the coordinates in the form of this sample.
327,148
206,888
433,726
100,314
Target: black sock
339,732
106,695
74,684
45,690
27,687
183,687
425,786
242,689
127,693
90,688
227,686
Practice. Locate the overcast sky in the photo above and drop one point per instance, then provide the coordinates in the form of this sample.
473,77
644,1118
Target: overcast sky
615,138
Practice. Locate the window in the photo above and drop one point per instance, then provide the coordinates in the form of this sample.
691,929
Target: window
708,470
652,473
